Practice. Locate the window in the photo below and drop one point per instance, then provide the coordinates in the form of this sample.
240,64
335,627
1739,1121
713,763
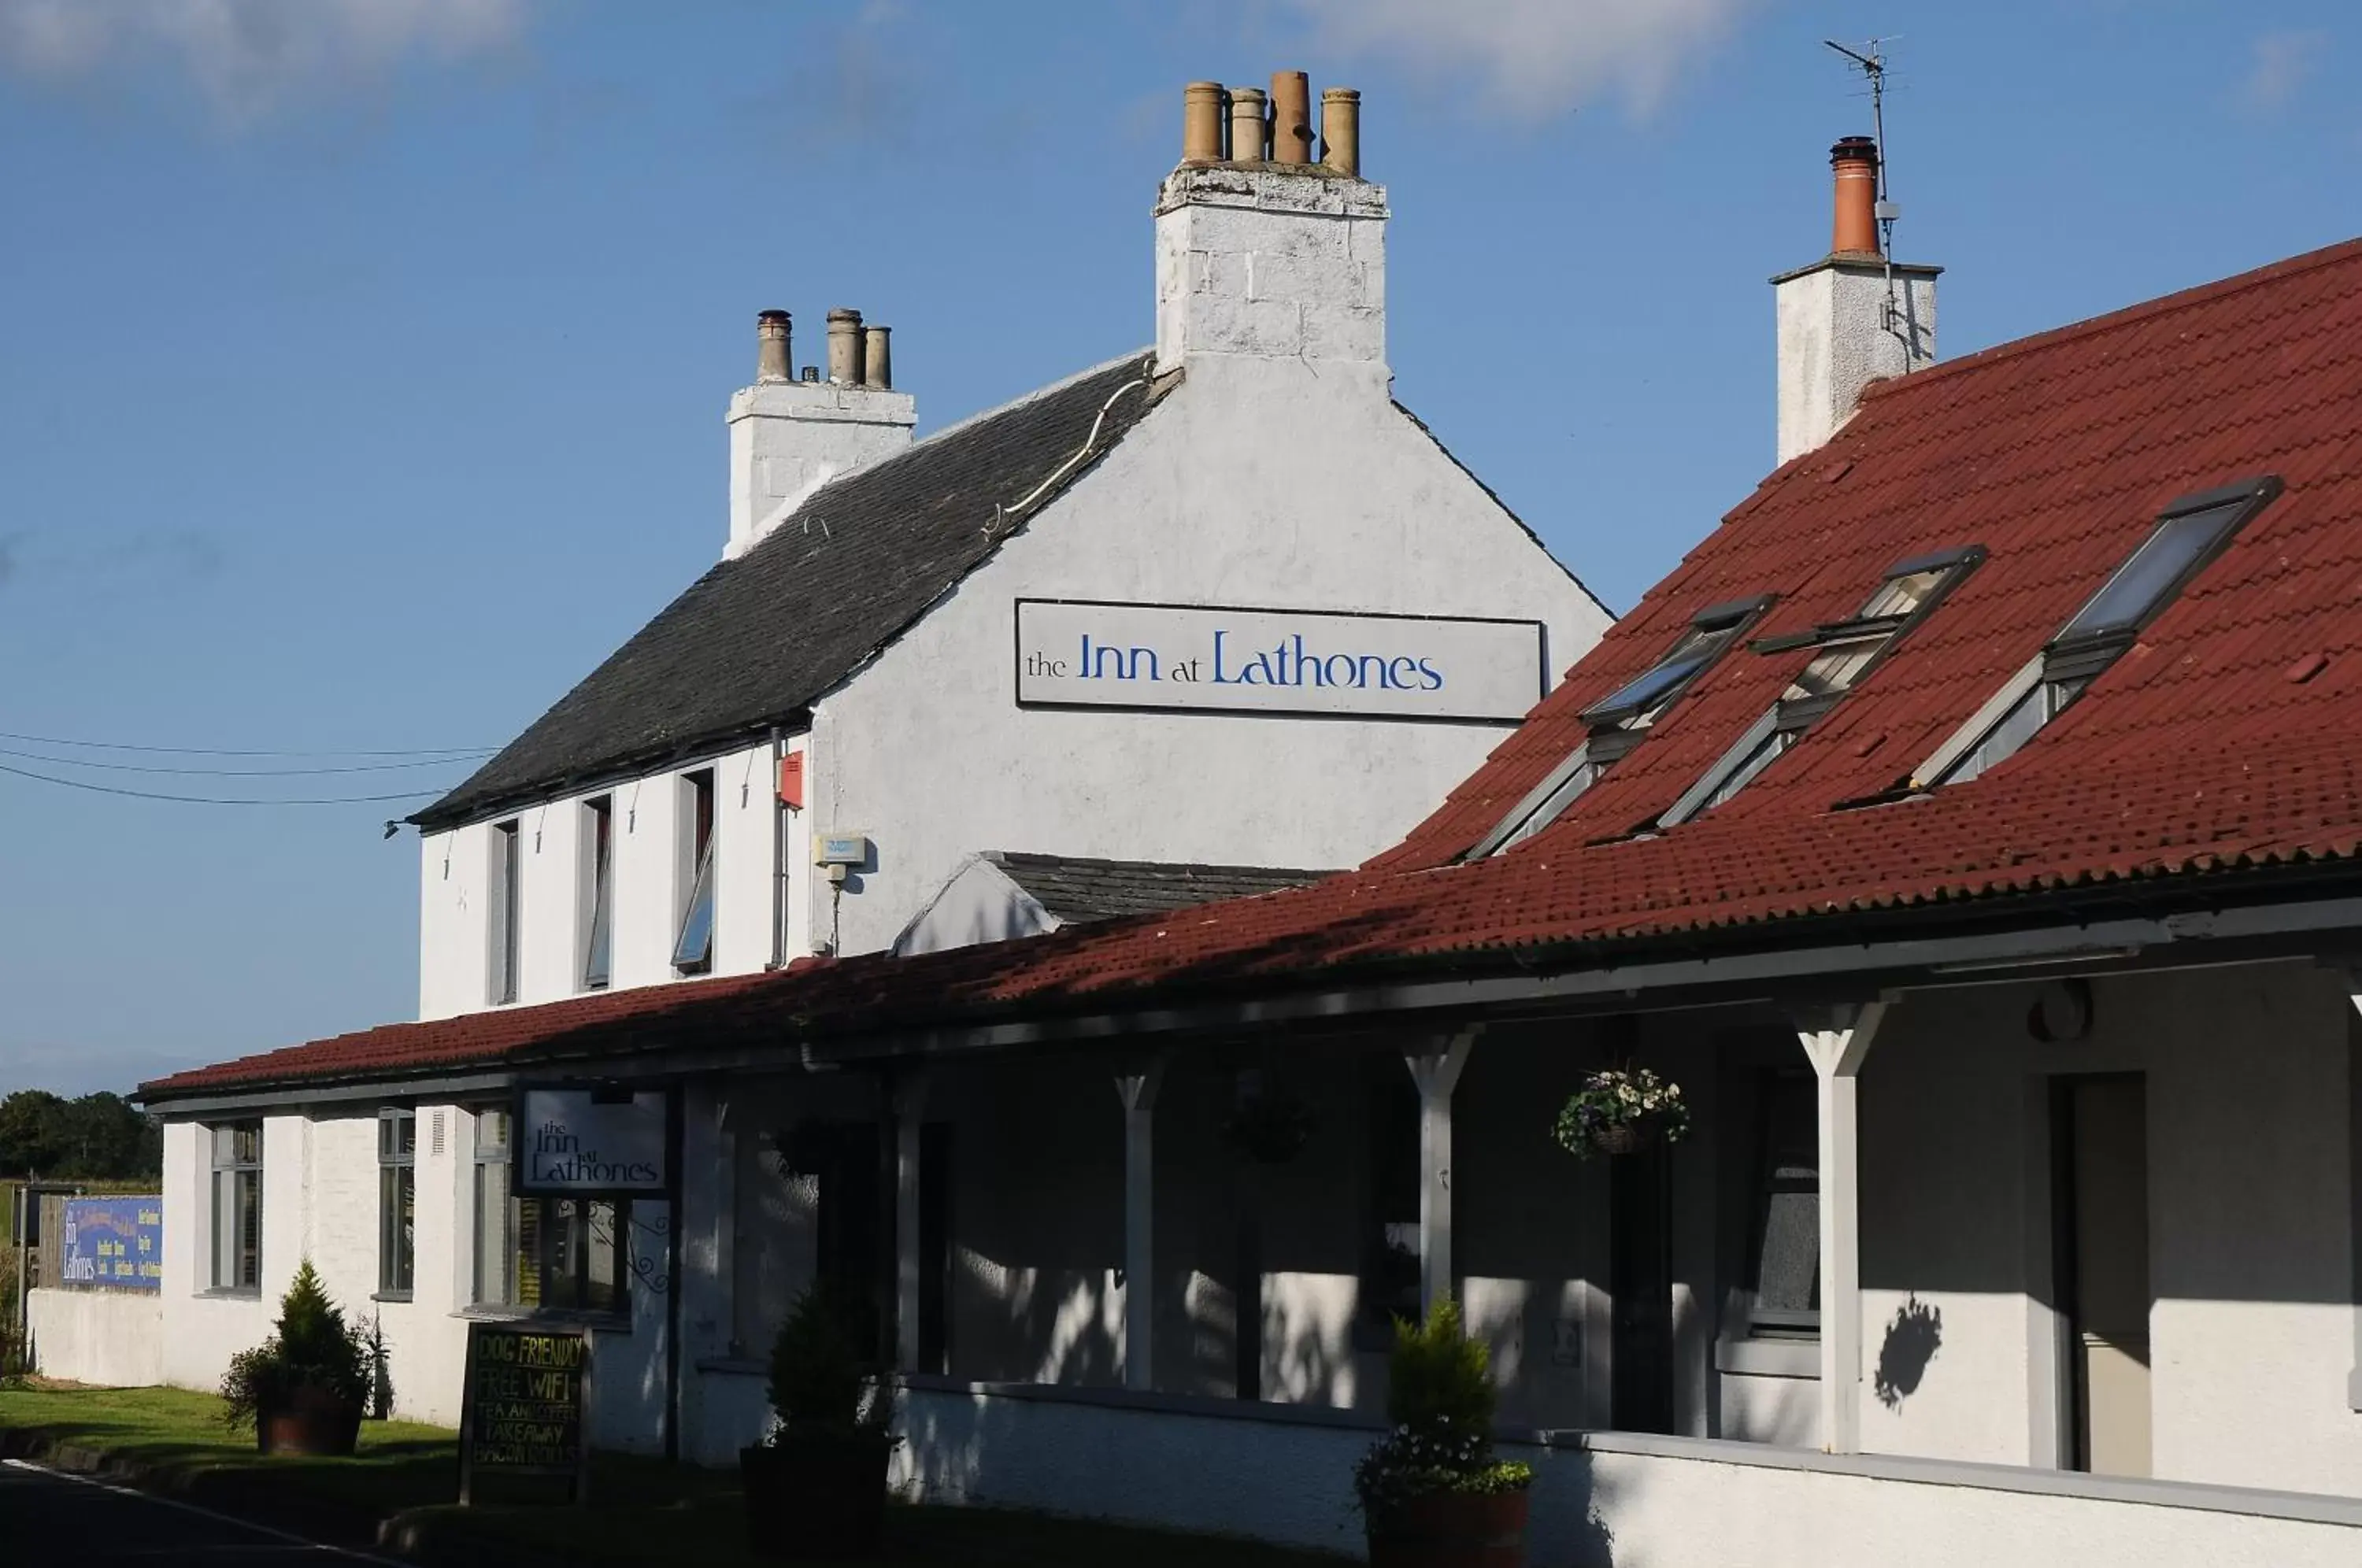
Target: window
502,984
1619,721
598,891
692,954
2189,535
562,1255
397,1200
1850,650
237,1206
1784,1262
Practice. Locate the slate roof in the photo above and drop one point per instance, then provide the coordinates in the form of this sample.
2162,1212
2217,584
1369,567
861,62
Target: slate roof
756,641
1077,890
2225,749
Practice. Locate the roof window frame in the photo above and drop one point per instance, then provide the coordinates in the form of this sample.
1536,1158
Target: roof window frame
2068,664
1615,731
1789,718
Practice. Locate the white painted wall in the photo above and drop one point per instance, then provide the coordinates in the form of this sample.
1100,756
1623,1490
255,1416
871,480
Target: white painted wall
1257,483
1835,340
113,1338
1661,1503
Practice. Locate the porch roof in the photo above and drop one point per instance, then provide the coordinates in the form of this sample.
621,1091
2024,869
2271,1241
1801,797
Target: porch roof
2228,739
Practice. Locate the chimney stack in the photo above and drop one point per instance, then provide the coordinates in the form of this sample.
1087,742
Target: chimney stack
774,357
1851,318
788,438
1266,255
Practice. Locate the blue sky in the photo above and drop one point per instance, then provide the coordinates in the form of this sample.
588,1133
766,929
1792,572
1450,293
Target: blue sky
362,362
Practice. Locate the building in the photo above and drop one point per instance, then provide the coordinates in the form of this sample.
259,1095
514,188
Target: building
1969,824
1206,610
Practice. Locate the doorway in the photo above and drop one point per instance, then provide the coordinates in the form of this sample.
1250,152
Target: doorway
1640,1284
2101,1226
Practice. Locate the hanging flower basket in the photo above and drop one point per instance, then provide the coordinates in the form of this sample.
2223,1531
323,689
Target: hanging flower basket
1621,1113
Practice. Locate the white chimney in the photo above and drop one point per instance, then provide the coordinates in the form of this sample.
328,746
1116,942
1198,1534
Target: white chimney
1272,258
1851,318
789,438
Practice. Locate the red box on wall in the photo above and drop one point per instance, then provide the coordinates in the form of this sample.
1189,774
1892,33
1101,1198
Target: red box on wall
791,781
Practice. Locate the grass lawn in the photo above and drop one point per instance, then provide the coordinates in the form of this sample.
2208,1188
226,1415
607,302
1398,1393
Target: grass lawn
642,1510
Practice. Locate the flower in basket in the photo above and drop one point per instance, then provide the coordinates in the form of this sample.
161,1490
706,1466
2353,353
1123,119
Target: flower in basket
1616,1110
1440,1398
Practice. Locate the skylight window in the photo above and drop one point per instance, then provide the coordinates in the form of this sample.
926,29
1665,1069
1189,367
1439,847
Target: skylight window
1619,721
2189,535
1850,651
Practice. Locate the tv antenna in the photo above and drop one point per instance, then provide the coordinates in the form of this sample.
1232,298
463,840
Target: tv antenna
1870,60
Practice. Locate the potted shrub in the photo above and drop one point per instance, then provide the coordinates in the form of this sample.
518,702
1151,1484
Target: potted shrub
1432,1494
1620,1112
815,1488
304,1389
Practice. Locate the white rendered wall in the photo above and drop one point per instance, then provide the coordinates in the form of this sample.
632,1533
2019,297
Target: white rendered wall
1835,340
112,1339
1256,483
648,890
1290,1480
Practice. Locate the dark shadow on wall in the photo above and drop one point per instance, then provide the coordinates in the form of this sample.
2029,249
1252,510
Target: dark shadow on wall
1912,1340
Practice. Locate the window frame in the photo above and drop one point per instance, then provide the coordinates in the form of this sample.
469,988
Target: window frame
397,1204
597,969
2081,659
1792,713
1780,1323
700,824
504,922
236,1223
1616,727
495,1169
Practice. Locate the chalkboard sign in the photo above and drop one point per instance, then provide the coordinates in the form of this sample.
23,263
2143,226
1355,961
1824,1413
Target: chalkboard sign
113,1243
527,1405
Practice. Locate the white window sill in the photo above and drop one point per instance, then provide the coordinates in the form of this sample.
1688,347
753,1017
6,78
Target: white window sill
606,1322
230,1293
1787,1356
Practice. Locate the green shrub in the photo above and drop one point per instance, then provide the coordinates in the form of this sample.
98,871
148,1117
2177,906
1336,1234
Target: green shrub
821,1383
1440,1398
311,1346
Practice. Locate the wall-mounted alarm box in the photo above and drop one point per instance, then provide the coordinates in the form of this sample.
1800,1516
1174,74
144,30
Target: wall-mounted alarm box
841,849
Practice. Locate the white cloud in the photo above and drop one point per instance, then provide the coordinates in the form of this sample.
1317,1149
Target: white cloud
247,57
2281,64
1538,57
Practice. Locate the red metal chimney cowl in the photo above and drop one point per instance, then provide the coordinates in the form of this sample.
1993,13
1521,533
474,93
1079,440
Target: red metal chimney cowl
1855,161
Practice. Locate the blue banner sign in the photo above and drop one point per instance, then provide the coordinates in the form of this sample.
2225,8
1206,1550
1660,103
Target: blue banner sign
115,1243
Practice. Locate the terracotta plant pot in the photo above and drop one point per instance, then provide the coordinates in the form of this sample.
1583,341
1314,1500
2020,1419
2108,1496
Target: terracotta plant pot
309,1420
819,1498
1453,1530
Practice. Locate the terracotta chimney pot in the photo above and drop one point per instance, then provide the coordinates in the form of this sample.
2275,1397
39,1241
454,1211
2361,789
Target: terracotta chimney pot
844,347
1247,129
772,359
1341,129
1201,123
1855,161
1291,117
877,357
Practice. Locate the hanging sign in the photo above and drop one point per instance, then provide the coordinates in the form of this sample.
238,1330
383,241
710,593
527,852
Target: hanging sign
525,1406
573,1142
1090,654
115,1243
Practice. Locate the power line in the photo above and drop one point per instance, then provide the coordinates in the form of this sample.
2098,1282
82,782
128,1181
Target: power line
214,799
448,752
228,772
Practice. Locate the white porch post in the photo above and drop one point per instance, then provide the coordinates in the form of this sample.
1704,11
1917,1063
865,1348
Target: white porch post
1138,1092
1436,1073
1837,1040
909,1106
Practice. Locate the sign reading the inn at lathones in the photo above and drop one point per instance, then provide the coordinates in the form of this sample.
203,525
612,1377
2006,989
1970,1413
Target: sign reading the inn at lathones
571,1141
526,1406
113,1243
1077,653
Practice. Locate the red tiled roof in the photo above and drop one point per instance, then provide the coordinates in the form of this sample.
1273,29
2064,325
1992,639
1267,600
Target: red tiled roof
2198,751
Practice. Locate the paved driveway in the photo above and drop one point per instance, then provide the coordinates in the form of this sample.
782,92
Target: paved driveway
47,1518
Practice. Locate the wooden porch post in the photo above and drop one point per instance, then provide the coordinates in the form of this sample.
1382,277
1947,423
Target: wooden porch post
1138,1092
1837,1040
1437,1074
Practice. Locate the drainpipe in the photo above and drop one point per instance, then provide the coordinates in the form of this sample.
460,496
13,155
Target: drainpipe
778,854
